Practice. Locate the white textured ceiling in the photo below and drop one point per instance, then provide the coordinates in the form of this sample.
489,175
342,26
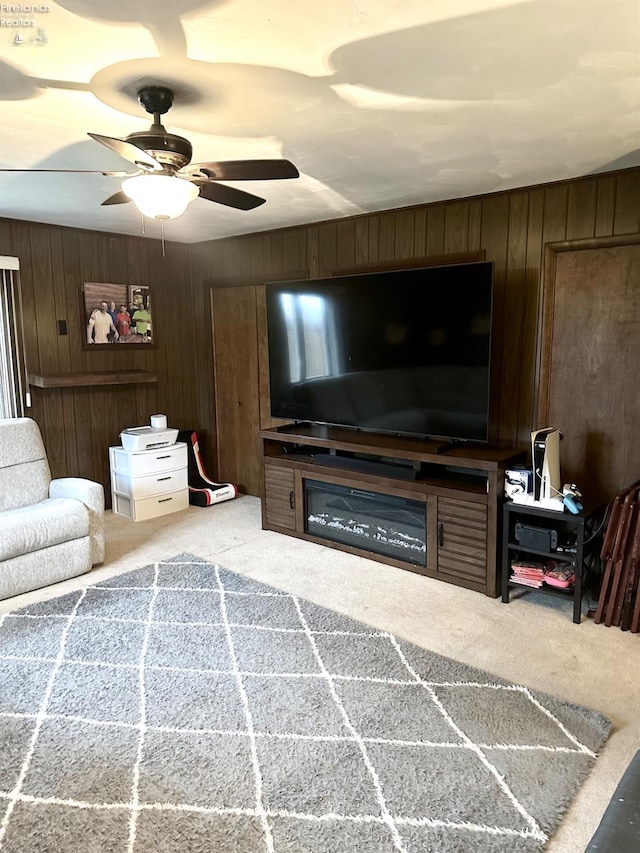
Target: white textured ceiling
380,103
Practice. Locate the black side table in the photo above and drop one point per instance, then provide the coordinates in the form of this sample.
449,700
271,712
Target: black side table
569,536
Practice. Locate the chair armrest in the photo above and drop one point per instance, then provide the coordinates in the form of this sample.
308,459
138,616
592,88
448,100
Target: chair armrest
92,496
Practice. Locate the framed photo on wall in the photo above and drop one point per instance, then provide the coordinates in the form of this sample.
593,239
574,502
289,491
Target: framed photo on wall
116,314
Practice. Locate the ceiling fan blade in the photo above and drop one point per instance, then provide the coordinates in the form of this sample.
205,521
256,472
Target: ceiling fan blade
116,198
245,170
228,195
127,150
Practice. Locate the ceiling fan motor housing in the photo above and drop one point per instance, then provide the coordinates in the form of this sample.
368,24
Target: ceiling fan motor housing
167,148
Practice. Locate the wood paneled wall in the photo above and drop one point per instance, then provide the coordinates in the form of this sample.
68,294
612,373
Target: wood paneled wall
79,424
512,228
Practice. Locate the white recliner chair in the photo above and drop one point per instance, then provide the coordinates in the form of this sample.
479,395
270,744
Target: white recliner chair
50,530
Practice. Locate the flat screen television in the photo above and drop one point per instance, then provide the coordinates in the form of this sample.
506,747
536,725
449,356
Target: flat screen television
406,351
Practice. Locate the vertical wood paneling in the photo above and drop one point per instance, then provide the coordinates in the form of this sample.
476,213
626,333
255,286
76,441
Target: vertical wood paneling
134,257
327,248
554,228
89,265
22,250
60,300
37,409
387,237
296,254
199,377
112,260
277,251
72,281
404,231
605,206
514,296
456,227
237,397
627,215
345,243
82,404
55,262
44,297
102,429
435,230
172,301
313,252
260,255
530,319
420,232
581,210
6,242
361,249
180,291
555,213
495,231
54,431
68,426
475,225
374,238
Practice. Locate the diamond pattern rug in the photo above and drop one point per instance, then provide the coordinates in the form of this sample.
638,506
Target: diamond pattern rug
185,707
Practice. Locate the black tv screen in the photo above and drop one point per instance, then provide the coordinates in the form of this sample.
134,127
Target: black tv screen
406,352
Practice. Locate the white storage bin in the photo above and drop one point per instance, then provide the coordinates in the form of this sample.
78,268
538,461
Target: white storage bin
149,483
148,461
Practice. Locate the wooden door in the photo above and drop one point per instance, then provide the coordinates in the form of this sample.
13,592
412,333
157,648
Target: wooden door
236,371
279,497
589,362
462,540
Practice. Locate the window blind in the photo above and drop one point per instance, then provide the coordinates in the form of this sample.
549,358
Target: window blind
14,390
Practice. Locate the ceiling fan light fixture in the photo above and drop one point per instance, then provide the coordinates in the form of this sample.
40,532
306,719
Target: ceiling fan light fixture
160,196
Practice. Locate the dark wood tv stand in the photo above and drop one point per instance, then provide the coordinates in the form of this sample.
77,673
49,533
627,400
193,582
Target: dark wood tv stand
459,486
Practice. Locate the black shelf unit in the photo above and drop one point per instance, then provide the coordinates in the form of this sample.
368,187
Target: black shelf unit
570,528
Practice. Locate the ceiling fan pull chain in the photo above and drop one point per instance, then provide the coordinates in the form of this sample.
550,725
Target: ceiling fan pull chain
162,236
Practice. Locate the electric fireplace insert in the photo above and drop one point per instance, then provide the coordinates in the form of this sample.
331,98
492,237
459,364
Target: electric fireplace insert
388,525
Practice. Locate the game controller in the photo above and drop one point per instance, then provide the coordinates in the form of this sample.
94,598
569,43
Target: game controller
571,498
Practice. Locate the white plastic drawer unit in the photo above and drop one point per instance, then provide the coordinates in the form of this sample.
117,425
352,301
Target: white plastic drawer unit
140,510
148,461
149,483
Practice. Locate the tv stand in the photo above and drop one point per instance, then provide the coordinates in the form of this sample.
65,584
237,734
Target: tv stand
403,469
433,505
452,443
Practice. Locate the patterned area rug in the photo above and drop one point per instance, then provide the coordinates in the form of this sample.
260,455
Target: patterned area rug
185,707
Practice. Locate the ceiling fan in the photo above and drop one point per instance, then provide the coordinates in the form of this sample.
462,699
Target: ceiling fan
166,181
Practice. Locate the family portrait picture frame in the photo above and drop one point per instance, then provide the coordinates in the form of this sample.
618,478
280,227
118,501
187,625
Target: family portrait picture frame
115,315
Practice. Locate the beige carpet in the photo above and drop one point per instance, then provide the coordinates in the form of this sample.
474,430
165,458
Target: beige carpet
532,640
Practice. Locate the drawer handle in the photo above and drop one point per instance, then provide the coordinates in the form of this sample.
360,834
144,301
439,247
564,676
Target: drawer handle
164,500
292,500
440,534
168,456
160,479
